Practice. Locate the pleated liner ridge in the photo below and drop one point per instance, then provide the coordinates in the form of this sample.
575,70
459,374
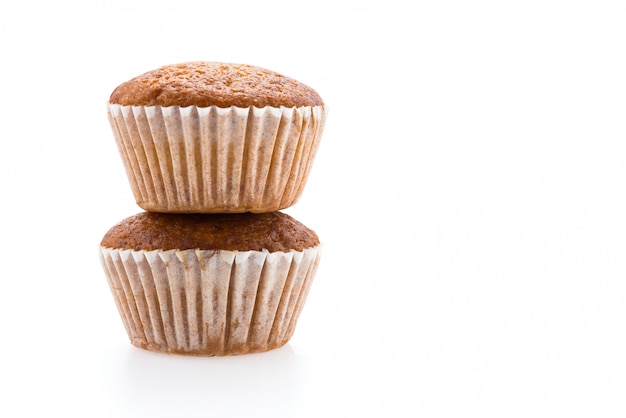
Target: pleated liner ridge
211,159
209,303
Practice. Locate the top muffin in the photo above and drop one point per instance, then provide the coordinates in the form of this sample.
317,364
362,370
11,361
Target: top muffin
205,84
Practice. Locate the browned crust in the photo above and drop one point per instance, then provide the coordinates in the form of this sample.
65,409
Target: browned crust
274,231
207,84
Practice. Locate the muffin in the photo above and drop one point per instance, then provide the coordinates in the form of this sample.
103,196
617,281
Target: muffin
210,284
207,137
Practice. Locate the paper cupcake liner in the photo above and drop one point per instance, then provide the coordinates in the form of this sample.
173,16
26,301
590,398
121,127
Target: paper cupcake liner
211,159
209,303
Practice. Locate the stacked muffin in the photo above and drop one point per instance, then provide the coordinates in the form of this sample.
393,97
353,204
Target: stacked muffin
212,152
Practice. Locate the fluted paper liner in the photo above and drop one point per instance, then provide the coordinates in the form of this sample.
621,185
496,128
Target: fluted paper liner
211,159
207,302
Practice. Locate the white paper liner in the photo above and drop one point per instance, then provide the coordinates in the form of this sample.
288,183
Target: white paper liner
211,159
209,303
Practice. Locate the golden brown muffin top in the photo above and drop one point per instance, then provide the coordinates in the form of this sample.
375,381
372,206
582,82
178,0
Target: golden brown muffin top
219,84
273,231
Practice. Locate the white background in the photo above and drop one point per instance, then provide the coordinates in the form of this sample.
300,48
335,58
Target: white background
470,191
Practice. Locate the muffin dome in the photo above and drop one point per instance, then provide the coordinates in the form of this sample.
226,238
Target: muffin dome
205,84
148,231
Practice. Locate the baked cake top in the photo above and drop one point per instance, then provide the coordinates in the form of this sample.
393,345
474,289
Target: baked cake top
273,231
205,84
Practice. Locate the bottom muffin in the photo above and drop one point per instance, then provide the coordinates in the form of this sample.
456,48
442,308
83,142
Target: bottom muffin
210,284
